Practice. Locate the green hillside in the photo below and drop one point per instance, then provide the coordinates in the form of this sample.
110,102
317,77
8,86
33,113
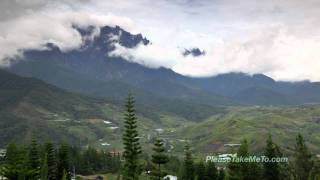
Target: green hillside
254,124
31,107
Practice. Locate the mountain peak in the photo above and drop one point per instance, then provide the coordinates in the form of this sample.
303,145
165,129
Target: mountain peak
124,38
195,52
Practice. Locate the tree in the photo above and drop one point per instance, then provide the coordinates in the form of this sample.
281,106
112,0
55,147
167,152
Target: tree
34,158
44,168
303,159
188,166
211,171
63,162
10,169
51,161
201,171
243,170
221,175
271,170
159,158
132,148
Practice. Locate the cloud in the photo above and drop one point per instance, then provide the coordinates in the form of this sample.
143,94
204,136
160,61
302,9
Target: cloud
34,29
273,52
279,38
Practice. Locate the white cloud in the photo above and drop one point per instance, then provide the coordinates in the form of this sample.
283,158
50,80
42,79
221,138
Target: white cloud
273,52
32,30
279,38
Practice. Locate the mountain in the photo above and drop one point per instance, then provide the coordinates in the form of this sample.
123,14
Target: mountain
195,52
32,107
90,70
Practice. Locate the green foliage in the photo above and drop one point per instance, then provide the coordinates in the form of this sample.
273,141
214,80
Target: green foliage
201,171
303,159
222,175
34,158
159,158
132,148
211,171
63,162
51,162
188,169
271,169
244,170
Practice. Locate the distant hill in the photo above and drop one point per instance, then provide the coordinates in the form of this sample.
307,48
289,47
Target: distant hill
32,107
255,124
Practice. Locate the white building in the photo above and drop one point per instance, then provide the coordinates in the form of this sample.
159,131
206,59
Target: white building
170,177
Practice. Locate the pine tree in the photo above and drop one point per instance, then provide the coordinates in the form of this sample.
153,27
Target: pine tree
271,169
243,170
34,158
44,168
51,161
201,171
249,170
63,161
188,165
159,158
221,175
132,148
11,168
211,171
303,159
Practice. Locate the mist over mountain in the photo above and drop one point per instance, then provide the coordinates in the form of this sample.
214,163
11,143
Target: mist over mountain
92,70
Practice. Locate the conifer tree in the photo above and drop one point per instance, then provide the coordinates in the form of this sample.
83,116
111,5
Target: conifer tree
188,171
303,159
63,161
221,175
51,162
249,170
159,158
201,171
132,148
44,168
243,170
211,171
271,169
34,158
11,168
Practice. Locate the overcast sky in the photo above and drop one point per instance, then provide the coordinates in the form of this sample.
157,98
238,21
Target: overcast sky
279,38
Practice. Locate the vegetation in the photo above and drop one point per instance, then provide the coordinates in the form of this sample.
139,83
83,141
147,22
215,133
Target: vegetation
159,158
132,148
61,161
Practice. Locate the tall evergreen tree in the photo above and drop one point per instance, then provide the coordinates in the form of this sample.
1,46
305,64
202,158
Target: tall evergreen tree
201,171
303,159
243,170
211,171
51,162
34,158
132,148
159,158
11,168
44,167
271,170
188,171
63,162
221,175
